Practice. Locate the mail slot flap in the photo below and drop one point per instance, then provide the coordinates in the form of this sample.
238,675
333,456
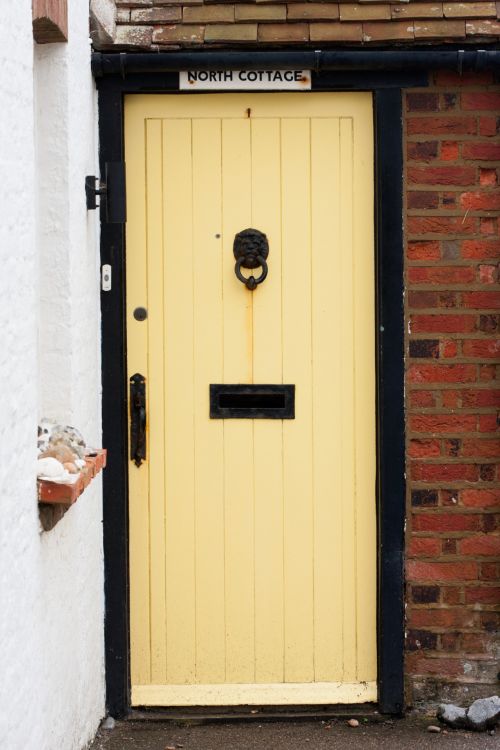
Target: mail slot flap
252,401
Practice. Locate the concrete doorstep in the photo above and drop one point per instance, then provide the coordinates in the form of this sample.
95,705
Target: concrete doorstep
334,734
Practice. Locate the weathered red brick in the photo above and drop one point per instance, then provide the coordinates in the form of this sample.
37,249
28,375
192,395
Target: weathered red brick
489,126
453,78
483,595
441,274
444,225
484,300
422,199
425,594
489,423
450,150
449,546
422,102
424,547
424,448
449,641
443,423
434,373
422,399
442,175
487,274
425,250
487,545
442,618
487,225
441,125
443,323
481,200
482,448
454,595
426,472
481,100
480,498
417,640
424,348
475,643
481,151
481,348
449,399
481,397
481,249
448,348
439,522
490,571
442,571
488,177
422,150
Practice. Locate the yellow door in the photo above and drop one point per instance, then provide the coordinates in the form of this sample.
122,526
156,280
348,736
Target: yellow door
252,541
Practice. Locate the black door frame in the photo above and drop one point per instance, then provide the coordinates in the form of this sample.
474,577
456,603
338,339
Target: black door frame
387,92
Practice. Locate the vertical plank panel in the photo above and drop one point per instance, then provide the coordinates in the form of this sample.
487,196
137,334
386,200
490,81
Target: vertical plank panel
238,434
364,407
155,393
327,396
140,659
347,431
179,407
208,439
268,435
297,463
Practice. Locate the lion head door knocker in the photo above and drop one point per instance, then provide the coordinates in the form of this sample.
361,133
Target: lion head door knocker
251,249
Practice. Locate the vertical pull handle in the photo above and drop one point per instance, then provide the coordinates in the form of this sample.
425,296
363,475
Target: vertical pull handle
138,418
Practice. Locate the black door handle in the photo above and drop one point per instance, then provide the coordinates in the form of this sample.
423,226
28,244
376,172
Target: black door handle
138,418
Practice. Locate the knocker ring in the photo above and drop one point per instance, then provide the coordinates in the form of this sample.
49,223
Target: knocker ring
251,249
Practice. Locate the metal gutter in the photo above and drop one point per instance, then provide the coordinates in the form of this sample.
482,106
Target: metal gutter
124,63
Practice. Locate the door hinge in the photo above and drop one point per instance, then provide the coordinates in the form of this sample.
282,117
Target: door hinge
111,192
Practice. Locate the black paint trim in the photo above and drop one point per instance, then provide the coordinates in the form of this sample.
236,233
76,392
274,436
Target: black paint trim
390,481
390,398
393,60
114,424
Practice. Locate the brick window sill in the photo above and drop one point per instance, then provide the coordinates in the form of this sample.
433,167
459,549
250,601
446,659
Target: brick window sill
55,499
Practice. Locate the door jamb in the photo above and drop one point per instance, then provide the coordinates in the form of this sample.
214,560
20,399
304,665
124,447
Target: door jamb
386,89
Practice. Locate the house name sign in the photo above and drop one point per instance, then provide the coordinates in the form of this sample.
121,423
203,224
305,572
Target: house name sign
245,80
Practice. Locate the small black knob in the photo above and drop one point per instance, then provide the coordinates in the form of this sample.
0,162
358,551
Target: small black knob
140,313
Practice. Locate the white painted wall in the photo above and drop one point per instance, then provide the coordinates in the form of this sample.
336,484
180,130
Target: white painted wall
51,583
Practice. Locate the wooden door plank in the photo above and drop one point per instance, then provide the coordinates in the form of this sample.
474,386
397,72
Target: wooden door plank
179,405
268,435
238,434
137,348
297,434
208,434
364,407
155,393
327,399
347,397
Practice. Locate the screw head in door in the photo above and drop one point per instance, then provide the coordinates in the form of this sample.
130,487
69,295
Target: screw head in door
140,313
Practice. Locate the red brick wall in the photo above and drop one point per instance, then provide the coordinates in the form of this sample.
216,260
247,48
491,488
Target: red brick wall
452,172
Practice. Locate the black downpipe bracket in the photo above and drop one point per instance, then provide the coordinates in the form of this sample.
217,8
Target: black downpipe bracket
123,63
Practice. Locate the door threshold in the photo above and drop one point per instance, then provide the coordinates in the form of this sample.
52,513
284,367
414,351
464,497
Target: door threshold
207,714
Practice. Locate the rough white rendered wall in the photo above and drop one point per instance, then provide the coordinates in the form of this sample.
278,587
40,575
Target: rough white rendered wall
51,583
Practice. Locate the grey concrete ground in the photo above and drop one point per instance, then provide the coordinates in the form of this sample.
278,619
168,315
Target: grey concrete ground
408,733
